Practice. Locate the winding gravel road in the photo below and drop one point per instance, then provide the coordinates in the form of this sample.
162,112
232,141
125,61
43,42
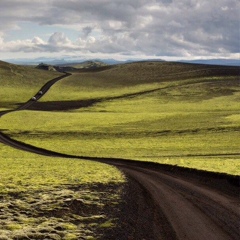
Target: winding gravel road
187,204
192,210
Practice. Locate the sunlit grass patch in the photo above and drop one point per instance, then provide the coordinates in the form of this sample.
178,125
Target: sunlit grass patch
55,198
128,135
152,148
220,164
30,172
81,92
142,127
234,118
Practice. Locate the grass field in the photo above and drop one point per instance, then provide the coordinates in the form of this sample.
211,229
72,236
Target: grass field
190,119
41,196
54,198
179,114
135,77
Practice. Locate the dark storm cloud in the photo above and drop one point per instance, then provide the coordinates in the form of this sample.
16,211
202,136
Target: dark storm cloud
151,27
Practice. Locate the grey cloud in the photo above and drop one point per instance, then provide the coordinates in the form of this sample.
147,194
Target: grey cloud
86,31
161,27
58,38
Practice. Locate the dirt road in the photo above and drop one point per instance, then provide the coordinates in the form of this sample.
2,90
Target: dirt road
184,204
189,209
179,203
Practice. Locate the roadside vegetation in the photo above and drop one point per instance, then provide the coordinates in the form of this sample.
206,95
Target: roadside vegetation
54,198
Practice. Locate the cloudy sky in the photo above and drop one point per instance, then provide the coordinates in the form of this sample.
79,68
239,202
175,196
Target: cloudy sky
120,29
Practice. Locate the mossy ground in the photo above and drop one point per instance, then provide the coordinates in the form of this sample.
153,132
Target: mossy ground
48,198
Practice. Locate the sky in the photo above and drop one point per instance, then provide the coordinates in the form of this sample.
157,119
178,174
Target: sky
120,29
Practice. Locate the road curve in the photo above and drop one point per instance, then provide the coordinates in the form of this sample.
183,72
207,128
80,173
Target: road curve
188,204
37,96
192,211
191,204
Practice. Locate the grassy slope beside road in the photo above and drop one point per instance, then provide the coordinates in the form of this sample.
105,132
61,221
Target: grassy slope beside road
43,197
134,77
56,198
188,120
194,122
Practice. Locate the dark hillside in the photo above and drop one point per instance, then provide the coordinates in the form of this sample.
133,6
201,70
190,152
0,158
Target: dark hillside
149,72
46,67
25,76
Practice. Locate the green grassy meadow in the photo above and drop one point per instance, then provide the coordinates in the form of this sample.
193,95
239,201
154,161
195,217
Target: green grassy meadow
181,114
55,198
131,78
37,192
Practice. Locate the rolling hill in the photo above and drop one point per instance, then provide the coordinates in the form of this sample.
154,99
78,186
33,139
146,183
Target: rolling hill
19,83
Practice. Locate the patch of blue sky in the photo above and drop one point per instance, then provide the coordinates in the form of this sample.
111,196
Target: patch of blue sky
29,30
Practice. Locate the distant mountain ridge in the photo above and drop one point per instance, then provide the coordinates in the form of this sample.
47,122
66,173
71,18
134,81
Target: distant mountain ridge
225,62
85,64
104,62
72,66
71,62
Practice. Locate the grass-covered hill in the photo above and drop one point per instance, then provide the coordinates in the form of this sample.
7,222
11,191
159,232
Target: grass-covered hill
45,197
19,83
152,72
174,113
155,111
91,64
136,77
